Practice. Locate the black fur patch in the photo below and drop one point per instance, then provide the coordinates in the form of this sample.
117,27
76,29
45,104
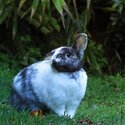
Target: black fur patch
28,100
67,61
23,104
17,101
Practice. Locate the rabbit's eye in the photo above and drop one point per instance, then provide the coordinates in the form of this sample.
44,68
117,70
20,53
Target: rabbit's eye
67,55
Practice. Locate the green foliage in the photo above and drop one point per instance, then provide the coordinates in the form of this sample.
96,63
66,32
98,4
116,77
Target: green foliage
65,17
116,38
7,63
45,16
118,5
39,13
28,53
96,58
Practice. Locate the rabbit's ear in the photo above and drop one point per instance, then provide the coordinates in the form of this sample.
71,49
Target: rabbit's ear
80,44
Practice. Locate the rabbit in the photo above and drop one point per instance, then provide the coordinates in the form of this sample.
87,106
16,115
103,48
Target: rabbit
57,84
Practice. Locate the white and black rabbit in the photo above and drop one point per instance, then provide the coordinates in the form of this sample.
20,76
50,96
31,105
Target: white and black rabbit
58,83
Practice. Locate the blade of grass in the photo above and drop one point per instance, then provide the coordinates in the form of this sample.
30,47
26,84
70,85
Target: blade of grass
86,14
34,7
21,4
74,2
59,4
65,7
14,25
43,5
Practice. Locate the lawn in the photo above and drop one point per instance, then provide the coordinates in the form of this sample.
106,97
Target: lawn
104,103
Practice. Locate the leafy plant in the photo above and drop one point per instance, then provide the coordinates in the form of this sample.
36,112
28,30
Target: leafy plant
95,58
114,44
38,12
59,21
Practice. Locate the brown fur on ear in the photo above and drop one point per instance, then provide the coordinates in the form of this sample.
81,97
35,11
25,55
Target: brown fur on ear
80,40
80,43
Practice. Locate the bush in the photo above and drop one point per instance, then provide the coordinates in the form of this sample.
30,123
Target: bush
37,26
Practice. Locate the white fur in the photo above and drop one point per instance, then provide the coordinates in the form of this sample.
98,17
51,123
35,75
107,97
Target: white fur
61,93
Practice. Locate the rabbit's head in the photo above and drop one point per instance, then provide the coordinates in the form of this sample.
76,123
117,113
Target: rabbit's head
68,59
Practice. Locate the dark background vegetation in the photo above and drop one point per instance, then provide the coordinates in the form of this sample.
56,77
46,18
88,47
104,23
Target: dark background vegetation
30,29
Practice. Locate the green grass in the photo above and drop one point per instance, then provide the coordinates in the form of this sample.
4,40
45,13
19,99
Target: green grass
104,103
